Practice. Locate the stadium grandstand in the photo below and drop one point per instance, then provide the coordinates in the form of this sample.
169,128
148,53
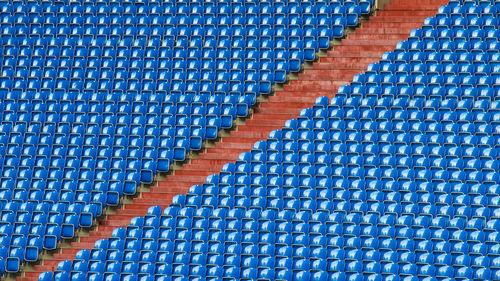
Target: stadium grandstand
220,140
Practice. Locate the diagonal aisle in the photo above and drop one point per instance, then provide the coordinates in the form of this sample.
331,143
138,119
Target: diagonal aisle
335,69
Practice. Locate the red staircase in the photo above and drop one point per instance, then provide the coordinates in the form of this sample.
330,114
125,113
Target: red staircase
380,34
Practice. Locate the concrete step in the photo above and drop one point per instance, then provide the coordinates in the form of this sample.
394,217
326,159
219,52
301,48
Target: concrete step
366,38
407,12
314,85
396,18
333,74
402,26
388,30
425,5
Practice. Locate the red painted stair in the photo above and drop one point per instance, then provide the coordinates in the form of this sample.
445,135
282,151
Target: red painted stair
380,34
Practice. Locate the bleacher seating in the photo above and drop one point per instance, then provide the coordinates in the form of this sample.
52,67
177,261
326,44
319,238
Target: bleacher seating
97,96
395,178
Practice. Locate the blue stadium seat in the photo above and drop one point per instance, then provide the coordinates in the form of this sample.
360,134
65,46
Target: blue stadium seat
396,178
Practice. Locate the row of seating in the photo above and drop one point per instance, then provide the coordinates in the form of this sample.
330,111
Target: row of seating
174,8
109,45
179,52
458,34
466,8
205,20
448,71
485,20
468,94
441,58
431,106
309,33
119,78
